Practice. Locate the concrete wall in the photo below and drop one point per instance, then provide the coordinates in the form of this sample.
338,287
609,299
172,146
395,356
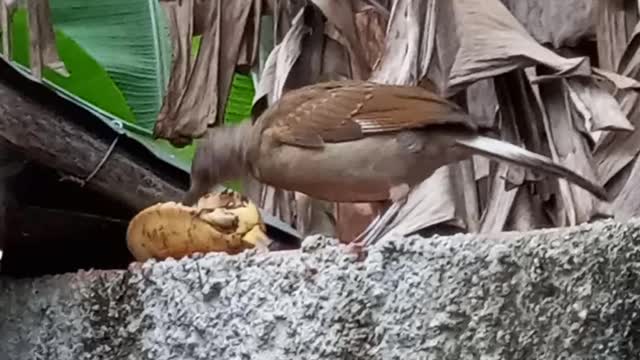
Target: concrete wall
558,294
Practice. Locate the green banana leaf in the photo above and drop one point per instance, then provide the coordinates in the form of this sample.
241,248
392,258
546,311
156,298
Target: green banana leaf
88,80
130,39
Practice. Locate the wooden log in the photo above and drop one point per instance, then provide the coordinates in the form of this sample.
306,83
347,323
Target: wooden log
58,134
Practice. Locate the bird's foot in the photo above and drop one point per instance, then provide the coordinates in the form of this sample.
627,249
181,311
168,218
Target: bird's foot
357,248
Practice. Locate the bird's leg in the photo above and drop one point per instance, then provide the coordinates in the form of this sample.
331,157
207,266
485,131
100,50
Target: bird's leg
379,226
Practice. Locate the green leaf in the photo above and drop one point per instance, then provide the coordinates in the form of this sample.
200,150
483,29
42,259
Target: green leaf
240,99
87,80
130,39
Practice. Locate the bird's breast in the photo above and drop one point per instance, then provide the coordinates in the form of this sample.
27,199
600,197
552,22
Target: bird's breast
363,170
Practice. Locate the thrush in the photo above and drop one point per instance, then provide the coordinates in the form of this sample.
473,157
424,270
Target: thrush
356,141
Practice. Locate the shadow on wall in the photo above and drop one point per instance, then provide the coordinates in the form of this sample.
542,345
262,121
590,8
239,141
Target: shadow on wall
55,226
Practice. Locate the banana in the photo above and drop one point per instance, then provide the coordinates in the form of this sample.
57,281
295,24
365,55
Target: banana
222,222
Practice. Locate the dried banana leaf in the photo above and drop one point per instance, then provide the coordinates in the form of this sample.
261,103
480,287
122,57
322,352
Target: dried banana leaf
627,203
283,12
371,25
556,23
616,20
248,55
410,43
340,14
617,150
493,42
526,212
42,39
203,101
510,192
5,25
597,106
570,147
426,208
180,19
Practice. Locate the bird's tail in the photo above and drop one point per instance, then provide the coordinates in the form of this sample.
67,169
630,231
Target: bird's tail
504,151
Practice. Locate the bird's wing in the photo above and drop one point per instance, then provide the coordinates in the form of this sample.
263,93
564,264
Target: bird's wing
348,110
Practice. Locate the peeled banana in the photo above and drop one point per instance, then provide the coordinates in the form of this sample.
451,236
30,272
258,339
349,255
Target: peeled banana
222,222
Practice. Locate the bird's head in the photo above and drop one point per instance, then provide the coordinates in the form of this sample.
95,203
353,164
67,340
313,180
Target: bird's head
220,156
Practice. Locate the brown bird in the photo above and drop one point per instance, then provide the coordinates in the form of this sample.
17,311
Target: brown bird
355,141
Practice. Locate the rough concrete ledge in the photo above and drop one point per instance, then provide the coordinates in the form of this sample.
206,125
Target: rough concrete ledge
554,294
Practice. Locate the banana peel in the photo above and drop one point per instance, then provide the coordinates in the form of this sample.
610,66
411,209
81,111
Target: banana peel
223,222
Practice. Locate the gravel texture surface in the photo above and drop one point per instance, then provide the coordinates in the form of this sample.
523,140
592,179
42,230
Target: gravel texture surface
554,294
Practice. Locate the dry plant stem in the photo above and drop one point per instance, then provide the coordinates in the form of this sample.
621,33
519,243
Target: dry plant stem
5,26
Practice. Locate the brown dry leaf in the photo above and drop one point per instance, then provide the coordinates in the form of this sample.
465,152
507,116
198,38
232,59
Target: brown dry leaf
593,97
598,108
519,115
616,151
471,197
615,22
615,80
283,13
223,24
527,212
499,202
516,195
627,202
569,147
380,6
371,25
6,8
315,52
410,45
280,62
262,97
493,42
551,23
340,14
483,104
42,40
427,208
314,216
630,59
250,39
180,19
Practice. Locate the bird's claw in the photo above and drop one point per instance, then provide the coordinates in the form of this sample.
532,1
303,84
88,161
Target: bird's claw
357,248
